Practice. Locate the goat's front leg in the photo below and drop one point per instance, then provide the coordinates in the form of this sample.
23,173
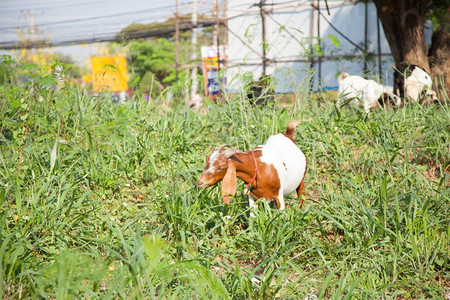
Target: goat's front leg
253,206
280,201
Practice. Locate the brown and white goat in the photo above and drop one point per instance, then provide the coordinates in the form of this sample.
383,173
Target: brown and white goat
270,171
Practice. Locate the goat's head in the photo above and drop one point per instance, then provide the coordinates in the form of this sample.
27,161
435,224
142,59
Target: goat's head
415,84
219,167
418,86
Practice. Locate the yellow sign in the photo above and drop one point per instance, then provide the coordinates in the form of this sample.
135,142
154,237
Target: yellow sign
210,62
110,73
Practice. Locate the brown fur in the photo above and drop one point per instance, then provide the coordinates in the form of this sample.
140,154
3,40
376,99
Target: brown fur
267,184
229,183
386,101
290,130
300,188
242,165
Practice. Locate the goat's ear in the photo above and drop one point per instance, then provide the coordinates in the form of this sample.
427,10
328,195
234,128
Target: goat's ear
233,157
229,183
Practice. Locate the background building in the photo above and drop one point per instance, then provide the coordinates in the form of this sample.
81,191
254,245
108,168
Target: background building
306,43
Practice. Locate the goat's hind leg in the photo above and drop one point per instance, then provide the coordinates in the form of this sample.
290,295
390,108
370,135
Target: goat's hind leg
300,192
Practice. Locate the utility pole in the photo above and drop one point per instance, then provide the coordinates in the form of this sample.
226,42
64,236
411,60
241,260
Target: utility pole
177,39
319,80
263,21
32,27
28,35
194,49
216,32
311,47
365,40
380,68
225,35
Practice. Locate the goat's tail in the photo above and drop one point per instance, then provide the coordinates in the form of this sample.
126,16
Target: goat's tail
342,76
291,128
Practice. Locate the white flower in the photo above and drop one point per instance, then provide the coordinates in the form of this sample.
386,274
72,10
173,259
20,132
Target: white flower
255,281
311,297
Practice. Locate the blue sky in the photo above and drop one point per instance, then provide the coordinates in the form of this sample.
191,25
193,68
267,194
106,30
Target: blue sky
79,19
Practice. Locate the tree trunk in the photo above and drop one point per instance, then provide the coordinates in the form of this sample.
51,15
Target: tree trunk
439,58
404,23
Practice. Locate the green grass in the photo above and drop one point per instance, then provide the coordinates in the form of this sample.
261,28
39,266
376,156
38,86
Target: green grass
100,201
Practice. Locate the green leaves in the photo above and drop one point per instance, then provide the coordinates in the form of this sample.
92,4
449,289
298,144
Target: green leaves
336,42
100,201
156,57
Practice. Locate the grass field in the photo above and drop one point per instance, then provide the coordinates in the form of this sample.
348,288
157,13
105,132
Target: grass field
100,201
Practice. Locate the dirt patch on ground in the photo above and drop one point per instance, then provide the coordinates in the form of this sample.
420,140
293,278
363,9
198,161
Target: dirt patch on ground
432,170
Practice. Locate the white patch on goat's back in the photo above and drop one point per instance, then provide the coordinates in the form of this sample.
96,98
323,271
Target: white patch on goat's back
362,92
287,159
388,89
352,87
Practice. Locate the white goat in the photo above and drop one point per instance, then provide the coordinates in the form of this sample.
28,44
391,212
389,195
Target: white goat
364,93
414,84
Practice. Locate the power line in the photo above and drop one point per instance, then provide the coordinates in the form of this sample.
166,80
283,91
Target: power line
116,38
88,19
52,6
103,37
338,31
